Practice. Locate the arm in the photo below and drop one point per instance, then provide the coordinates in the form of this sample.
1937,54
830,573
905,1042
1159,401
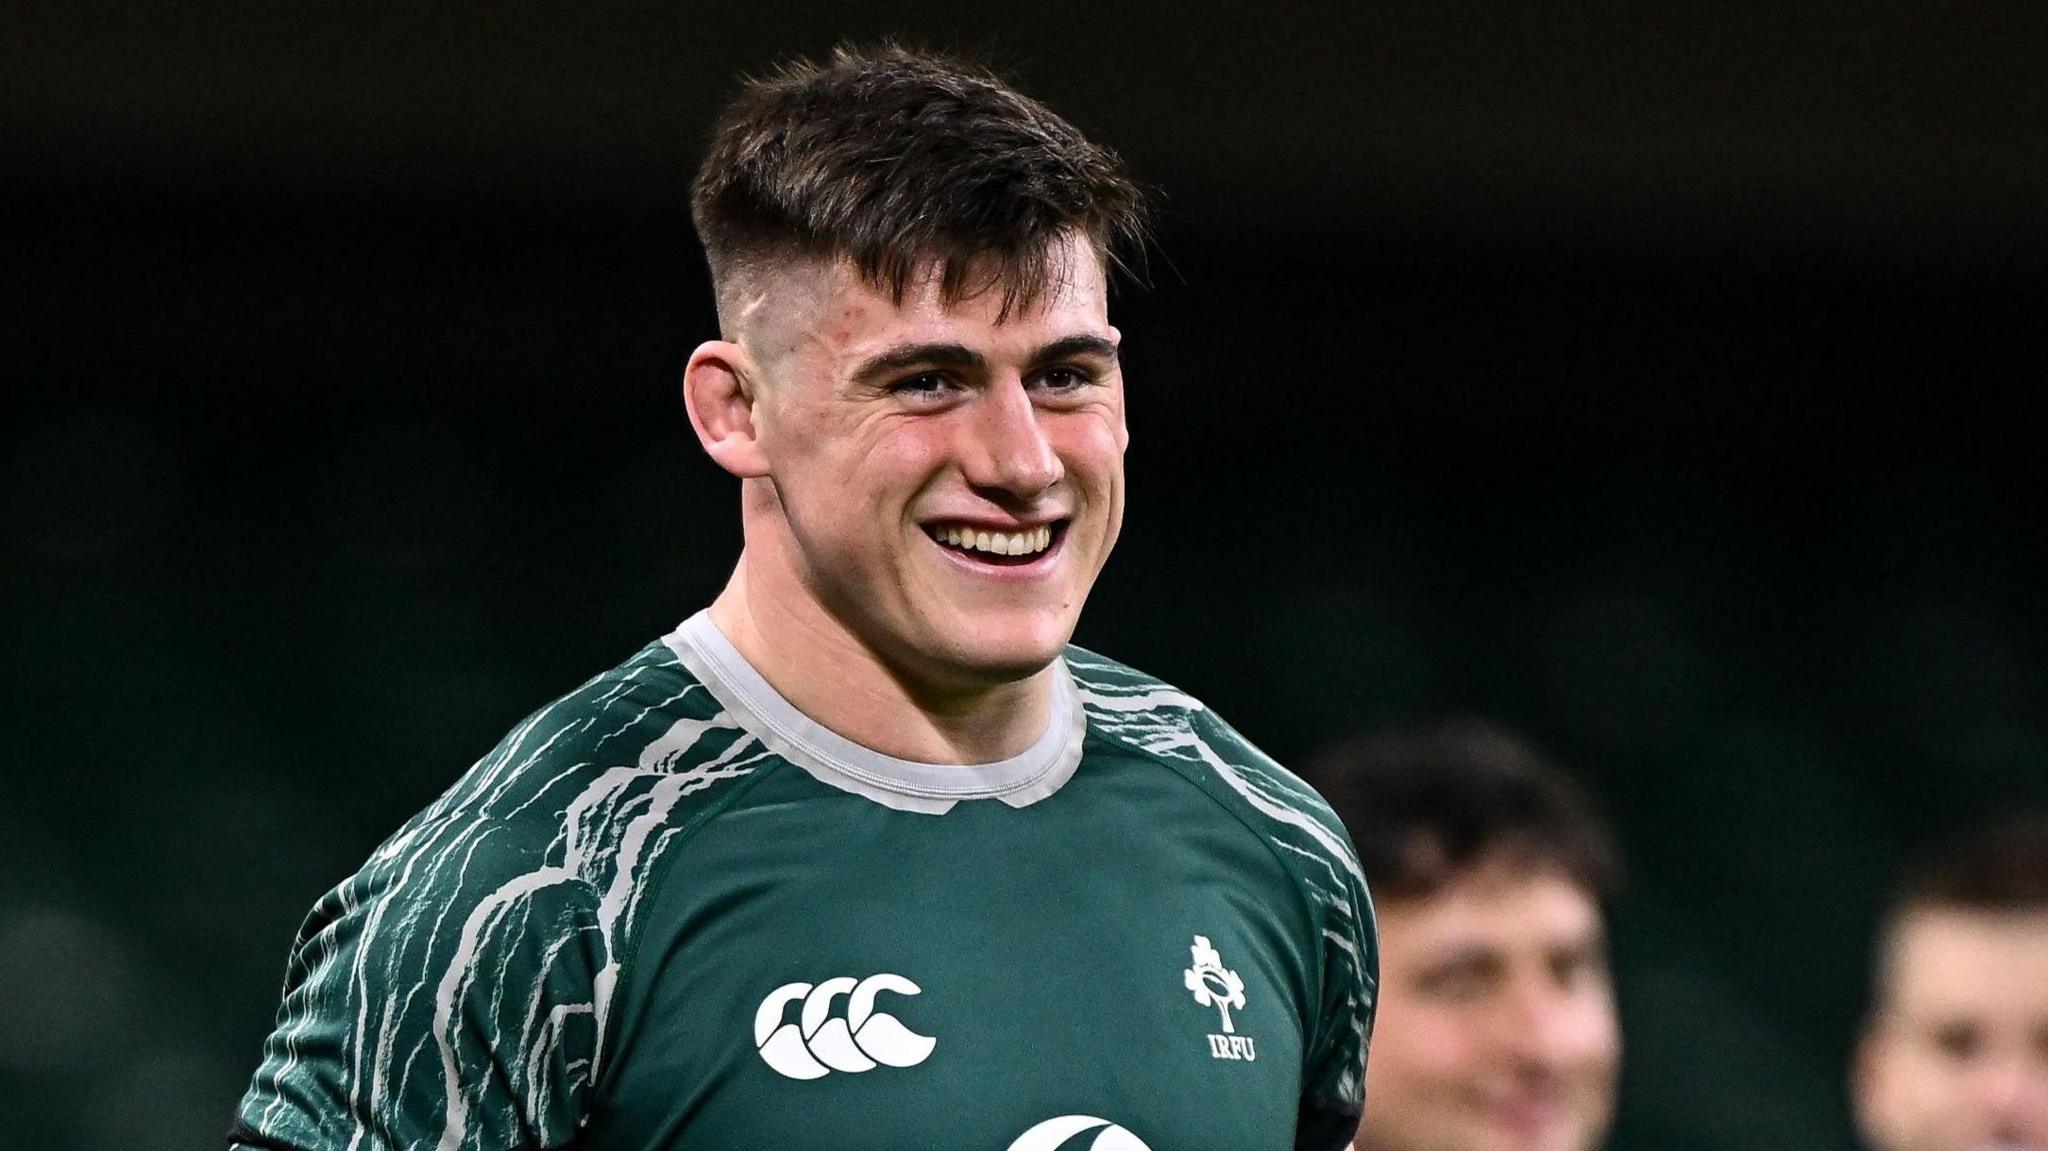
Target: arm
443,997
1333,1078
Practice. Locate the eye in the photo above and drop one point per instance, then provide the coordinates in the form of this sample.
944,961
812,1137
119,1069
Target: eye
1065,378
1579,968
1459,982
1459,987
924,385
1958,1041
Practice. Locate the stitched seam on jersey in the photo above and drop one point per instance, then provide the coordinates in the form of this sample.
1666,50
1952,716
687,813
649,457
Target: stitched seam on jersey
629,961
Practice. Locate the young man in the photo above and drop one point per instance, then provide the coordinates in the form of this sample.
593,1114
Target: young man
1954,1056
864,855
1498,1029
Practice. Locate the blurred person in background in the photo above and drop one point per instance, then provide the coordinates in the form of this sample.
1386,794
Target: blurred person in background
1497,1026
1954,1054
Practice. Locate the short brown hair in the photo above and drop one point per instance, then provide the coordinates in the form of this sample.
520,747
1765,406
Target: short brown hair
903,160
1425,803
2002,868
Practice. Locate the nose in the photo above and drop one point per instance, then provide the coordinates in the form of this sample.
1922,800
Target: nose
1009,452
2013,1090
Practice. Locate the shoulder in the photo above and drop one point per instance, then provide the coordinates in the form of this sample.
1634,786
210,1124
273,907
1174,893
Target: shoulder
642,736
1150,717
562,825
525,874
1155,719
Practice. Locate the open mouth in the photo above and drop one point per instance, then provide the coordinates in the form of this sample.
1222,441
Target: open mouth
997,548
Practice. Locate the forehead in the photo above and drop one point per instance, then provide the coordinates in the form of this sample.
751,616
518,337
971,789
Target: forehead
826,307
1490,906
1945,960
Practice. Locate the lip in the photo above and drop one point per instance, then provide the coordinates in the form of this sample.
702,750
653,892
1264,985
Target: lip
987,523
1529,1114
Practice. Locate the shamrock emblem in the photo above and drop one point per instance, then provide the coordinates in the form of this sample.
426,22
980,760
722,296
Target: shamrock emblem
1212,985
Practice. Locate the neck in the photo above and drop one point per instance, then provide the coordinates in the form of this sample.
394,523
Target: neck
823,668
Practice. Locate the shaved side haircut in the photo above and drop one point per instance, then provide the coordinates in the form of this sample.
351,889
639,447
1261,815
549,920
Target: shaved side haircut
906,162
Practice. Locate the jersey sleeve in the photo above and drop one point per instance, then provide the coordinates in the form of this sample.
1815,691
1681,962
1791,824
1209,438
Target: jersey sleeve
1344,952
441,998
1333,1075
1338,954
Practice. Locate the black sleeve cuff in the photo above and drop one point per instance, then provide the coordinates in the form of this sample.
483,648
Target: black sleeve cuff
1324,1126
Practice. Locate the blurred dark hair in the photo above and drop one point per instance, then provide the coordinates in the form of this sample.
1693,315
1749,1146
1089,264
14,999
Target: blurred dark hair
900,160
1423,804
2000,868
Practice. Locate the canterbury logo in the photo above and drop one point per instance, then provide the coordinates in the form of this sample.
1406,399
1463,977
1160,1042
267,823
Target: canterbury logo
1054,1134
823,1043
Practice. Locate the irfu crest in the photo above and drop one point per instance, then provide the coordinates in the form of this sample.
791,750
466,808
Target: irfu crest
1212,984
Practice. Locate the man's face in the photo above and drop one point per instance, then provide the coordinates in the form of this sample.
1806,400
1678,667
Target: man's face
1957,1055
1497,1027
945,485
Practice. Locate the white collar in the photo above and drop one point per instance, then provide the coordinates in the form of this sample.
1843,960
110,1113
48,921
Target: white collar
906,785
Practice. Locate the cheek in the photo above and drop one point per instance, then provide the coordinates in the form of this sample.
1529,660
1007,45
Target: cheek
904,458
1419,1043
1091,445
880,470
1914,1091
1595,1033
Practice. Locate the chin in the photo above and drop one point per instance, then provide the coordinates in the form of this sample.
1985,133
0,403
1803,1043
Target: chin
1008,662
1008,652
1551,1137
1564,1139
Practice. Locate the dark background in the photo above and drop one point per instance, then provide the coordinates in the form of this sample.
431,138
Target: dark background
1664,382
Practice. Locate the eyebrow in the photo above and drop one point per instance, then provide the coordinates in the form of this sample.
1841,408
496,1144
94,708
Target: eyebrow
947,355
908,356
1590,944
1482,955
1072,347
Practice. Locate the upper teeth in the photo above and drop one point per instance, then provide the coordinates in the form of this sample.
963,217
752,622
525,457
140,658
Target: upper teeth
996,543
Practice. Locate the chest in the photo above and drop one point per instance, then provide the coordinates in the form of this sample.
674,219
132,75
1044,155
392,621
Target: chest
857,978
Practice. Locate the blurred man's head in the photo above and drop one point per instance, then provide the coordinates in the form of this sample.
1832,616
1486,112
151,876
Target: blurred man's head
1497,1028
1954,1056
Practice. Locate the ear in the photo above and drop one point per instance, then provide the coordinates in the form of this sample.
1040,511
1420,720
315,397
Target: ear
719,395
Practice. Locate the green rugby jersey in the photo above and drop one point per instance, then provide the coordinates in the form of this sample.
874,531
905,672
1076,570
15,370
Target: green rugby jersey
671,913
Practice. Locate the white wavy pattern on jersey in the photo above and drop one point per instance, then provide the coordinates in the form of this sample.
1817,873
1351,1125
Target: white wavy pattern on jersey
1158,719
418,954
1132,708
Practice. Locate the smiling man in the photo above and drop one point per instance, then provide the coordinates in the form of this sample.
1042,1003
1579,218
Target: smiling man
1497,1028
1954,1054
863,855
